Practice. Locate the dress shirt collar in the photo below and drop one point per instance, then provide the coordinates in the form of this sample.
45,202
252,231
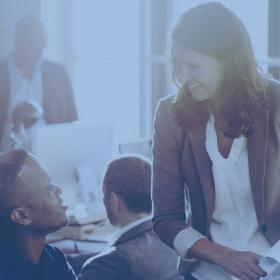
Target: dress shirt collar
116,235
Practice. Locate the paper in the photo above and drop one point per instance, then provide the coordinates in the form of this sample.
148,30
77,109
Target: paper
271,263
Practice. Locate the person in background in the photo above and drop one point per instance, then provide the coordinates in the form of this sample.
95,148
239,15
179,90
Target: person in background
216,151
26,76
135,253
30,208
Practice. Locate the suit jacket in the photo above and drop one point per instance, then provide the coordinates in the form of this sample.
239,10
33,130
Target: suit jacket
182,167
58,100
137,255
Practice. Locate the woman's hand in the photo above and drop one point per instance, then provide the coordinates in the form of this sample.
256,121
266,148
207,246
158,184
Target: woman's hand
241,264
244,265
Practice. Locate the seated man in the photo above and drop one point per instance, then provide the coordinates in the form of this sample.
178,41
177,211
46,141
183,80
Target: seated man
30,208
136,252
26,76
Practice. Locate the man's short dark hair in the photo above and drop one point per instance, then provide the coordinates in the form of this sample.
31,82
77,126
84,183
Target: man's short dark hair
130,178
11,164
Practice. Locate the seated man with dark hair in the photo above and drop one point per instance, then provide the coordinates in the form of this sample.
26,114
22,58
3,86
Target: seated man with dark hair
136,252
30,208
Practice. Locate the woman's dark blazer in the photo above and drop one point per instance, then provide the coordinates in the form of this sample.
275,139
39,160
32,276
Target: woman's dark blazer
182,171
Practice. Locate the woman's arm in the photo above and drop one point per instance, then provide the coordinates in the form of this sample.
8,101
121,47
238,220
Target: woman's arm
242,264
168,182
169,204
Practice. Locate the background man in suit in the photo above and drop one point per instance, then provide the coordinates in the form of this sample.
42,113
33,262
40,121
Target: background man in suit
26,76
30,208
136,253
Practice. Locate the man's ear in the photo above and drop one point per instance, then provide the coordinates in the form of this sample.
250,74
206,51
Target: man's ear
115,201
21,216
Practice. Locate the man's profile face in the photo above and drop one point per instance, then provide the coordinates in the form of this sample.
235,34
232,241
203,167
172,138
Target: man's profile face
41,198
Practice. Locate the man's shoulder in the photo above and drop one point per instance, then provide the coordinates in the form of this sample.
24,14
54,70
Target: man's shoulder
57,261
110,255
55,257
54,251
142,255
110,264
49,65
146,243
120,257
6,276
14,267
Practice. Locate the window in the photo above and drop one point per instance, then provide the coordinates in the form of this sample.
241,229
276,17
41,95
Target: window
107,63
274,38
117,53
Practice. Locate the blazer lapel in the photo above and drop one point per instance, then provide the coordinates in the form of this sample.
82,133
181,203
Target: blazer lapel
203,164
257,151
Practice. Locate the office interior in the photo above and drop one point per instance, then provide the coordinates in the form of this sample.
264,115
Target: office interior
116,54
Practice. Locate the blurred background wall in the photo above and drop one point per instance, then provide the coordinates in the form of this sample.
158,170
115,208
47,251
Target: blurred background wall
114,51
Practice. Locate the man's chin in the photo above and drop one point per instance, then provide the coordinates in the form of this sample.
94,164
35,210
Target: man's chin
60,225
66,221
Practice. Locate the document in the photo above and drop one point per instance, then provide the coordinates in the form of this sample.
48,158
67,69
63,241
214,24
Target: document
271,263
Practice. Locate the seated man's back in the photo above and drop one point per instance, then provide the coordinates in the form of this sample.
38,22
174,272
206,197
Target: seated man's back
136,252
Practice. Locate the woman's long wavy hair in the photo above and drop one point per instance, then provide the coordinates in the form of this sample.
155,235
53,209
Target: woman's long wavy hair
215,31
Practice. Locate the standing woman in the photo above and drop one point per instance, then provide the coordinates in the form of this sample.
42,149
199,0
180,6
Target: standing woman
216,151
